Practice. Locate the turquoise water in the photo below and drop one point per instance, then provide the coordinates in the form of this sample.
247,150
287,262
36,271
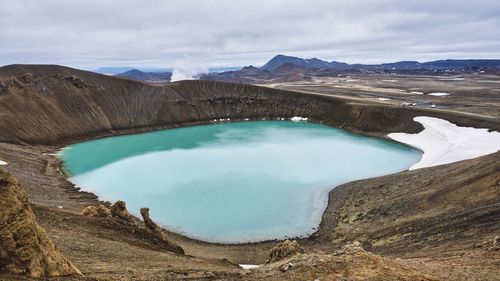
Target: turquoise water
233,182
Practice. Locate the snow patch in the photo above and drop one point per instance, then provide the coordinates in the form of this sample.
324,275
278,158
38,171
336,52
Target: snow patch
444,142
298,119
438,94
416,93
384,99
408,103
451,78
3,163
222,120
249,266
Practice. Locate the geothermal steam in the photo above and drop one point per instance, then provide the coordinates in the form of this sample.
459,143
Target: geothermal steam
186,70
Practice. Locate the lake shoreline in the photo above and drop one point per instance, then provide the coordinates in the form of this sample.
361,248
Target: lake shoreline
253,138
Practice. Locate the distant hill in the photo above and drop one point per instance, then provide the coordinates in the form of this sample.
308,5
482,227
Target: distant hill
479,64
463,64
223,69
113,70
283,68
152,77
279,60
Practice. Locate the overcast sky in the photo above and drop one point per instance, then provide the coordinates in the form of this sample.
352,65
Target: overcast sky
92,33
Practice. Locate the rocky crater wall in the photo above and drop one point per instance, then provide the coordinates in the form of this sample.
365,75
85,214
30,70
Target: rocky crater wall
57,105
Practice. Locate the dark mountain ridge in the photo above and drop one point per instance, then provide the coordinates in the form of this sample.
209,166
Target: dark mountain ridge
279,60
283,68
152,77
449,64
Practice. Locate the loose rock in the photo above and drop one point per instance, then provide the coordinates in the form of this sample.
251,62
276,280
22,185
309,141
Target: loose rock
103,211
97,211
119,209
284,250
286,267
90,211
159,235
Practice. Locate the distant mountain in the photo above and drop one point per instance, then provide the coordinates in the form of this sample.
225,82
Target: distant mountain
400,65
283,68
287,72
152,77
451,65
459,65
279,60
112,70
463,64
223,69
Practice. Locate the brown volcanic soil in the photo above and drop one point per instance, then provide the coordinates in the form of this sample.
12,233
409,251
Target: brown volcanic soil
427,224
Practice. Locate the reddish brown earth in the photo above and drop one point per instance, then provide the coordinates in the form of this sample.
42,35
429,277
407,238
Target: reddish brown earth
436,223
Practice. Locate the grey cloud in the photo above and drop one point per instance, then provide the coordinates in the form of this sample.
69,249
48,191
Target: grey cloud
93,33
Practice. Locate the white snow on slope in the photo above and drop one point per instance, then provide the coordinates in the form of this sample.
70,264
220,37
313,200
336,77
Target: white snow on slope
298,119
443,142
438,94
451,78
3,162
248,266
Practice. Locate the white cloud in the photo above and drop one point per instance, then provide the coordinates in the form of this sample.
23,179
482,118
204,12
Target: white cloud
94,33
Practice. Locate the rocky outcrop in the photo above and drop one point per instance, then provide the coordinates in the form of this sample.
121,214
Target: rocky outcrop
284,250
349,263
90,211
159,235
3,86
97,211
351,248
103,211
77,82
25,247
119,209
